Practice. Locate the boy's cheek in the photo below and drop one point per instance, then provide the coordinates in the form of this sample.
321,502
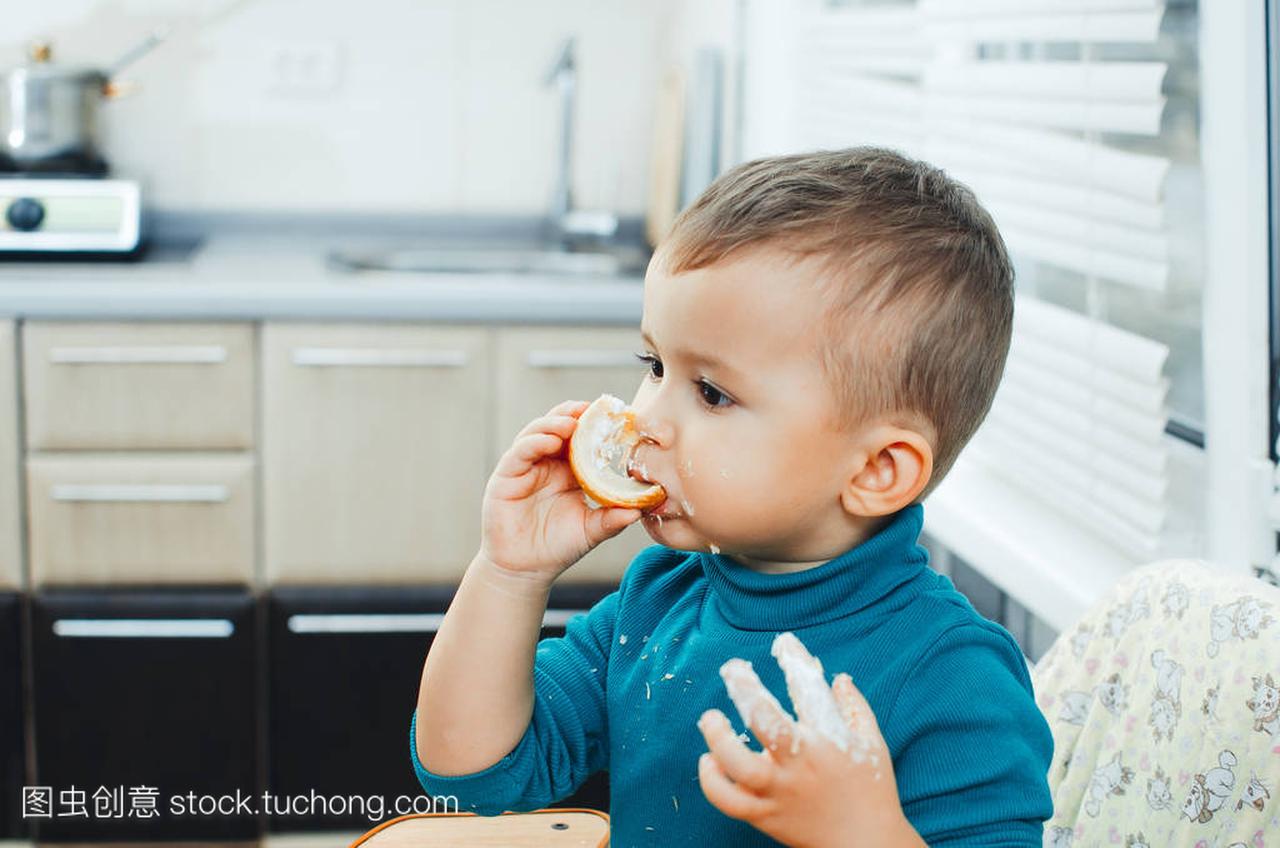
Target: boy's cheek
744,477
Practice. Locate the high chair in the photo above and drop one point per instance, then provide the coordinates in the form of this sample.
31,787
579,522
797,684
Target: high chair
549,828
1164,702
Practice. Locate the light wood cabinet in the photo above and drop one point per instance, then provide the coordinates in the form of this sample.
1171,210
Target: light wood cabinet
141,518
537,368
10,523
138,386
374,451
375,444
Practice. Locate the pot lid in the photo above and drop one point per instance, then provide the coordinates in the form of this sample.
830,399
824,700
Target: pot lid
40,65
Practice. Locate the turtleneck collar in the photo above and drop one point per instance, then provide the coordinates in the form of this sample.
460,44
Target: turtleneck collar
752,600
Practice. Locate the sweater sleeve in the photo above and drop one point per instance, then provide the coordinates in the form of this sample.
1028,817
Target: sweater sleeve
567,737
971,749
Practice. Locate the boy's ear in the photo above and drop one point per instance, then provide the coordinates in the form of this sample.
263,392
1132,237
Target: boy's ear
893,466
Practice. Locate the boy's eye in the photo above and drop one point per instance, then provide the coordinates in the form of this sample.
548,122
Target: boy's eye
712,396
709,394
655,365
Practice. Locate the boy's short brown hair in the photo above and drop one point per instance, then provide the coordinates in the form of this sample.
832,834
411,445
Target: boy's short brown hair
916,281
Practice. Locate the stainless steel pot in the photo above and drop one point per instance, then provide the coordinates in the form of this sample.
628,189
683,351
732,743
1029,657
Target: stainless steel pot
48,111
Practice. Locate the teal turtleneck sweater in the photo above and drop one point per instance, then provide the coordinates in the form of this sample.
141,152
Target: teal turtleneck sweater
623,688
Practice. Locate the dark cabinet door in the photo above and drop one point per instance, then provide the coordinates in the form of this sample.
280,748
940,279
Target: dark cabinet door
345,666
344,669
12,771
145,711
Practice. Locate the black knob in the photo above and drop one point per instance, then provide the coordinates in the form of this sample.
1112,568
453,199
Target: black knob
25,213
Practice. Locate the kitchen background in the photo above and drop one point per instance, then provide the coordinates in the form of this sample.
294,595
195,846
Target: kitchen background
242,470
385,106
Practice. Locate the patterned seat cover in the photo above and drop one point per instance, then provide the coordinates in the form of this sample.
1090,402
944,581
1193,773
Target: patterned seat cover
1164,701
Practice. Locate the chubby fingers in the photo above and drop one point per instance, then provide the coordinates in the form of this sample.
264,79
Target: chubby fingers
750,769
561,424
757,706
856,713
572,408
560,420
726,796
607,522
527,451
546,436
814,702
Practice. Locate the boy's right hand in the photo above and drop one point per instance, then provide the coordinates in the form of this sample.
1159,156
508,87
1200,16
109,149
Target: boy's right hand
535,521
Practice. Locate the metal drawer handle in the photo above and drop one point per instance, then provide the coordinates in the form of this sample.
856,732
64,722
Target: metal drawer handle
581,359
559,617
140,355
378,358
145,628
395,623
139,493
370,623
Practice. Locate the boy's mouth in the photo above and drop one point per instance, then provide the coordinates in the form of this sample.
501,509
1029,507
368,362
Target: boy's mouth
638,470
667,507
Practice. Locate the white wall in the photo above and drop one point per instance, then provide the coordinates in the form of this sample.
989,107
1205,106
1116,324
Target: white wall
439,104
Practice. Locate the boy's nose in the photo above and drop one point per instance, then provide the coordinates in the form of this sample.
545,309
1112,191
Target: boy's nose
652,429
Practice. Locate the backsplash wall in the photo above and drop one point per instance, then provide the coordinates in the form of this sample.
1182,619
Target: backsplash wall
422,106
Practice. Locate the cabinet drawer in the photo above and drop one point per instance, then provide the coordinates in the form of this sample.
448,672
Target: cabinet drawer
141,519
538,367
138,386
374,442
172,676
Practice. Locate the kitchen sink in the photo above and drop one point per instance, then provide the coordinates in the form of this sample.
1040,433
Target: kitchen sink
496,259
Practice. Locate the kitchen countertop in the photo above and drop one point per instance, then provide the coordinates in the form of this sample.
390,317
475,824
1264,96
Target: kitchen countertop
236,277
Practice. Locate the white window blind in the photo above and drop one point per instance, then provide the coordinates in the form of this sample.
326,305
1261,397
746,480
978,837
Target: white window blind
1079,419
1079,423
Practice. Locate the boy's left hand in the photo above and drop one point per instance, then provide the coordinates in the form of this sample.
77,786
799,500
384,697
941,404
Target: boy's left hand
823,778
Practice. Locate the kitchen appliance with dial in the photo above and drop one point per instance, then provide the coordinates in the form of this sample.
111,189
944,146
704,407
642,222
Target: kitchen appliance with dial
69,214
57,198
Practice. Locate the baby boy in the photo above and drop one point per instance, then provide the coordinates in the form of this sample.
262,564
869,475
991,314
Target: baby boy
823,334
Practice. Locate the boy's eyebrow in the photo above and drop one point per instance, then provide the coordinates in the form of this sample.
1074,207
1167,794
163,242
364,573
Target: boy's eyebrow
699,358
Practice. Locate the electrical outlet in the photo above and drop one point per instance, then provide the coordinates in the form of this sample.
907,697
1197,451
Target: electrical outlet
304,68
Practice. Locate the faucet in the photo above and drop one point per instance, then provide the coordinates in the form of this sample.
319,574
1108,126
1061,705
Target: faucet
570,225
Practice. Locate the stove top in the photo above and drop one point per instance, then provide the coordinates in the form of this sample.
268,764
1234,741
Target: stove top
69,165
60,214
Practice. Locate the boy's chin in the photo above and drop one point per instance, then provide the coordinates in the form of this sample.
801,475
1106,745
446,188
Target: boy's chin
668,531
676,533
655,524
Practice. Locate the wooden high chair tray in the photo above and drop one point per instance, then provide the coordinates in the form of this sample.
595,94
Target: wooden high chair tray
567,828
